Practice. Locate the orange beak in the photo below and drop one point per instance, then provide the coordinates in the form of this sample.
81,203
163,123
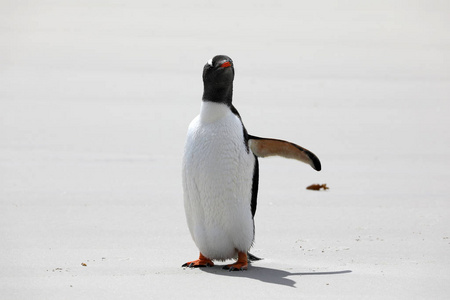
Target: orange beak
225,64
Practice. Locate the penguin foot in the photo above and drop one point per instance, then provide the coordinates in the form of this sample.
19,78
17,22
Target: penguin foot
236,267
201,262
240,265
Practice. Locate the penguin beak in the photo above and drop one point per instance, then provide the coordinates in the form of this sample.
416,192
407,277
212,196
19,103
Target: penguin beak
226,64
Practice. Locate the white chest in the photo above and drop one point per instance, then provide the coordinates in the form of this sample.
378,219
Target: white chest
217,180
215,148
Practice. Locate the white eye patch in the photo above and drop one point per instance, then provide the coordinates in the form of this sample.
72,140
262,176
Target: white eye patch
210,62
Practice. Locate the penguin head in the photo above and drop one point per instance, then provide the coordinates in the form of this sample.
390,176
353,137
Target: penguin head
218,76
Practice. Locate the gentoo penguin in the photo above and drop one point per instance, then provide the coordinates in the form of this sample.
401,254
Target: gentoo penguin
220,172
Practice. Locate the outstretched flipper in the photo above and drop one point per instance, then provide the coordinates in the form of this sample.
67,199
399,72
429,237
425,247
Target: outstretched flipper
263,147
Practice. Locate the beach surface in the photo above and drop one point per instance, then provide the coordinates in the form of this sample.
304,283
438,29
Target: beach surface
95,100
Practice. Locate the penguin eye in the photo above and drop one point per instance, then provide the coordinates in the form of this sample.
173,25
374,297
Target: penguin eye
210,62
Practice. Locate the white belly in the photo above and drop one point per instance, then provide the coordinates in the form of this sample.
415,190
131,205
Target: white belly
217,181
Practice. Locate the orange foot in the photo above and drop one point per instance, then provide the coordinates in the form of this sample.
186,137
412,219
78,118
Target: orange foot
240,265
201,262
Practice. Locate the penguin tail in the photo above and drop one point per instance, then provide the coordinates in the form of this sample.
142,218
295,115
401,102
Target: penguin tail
252,257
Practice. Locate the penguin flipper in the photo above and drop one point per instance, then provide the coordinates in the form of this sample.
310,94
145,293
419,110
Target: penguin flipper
263,147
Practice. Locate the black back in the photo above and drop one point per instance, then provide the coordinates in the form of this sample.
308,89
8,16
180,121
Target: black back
255,184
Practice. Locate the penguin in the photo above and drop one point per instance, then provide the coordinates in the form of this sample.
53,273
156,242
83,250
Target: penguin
220,172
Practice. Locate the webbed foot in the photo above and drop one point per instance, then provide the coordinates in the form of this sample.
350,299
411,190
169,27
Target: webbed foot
201,262
240,265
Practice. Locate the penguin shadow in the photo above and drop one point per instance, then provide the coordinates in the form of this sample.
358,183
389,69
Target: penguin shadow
269,275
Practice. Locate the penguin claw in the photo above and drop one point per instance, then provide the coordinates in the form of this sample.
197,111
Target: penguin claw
240,265
193,265
202,262
197,265
231,268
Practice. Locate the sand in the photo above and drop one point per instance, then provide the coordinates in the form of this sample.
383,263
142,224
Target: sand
95,100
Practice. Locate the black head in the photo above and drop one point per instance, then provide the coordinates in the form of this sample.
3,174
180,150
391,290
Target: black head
218,75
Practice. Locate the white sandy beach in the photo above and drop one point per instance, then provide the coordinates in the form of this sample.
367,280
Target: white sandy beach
95,100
